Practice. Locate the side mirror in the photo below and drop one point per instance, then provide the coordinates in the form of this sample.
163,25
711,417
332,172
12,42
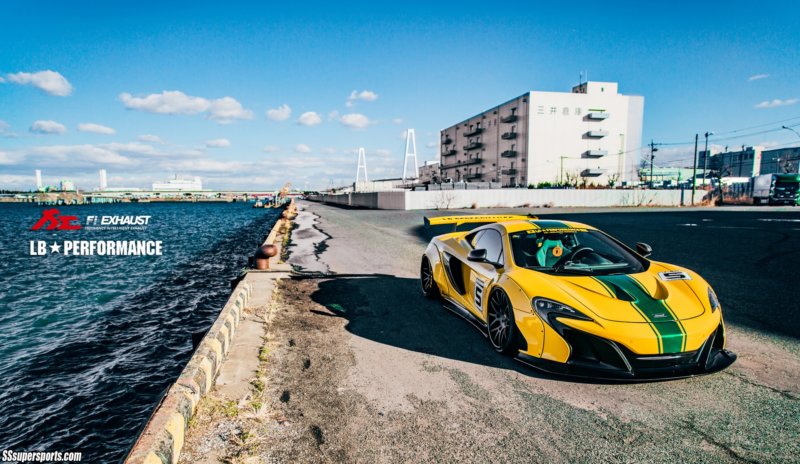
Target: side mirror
478,255
644,249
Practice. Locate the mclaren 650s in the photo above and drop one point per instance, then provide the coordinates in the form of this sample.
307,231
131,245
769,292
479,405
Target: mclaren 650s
569,299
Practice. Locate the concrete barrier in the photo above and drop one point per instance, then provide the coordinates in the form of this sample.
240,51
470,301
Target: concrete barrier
460,199
163,437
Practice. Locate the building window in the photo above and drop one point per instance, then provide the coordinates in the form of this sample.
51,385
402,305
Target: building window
553,110
540,109
513,111
566,111
513,146
577,111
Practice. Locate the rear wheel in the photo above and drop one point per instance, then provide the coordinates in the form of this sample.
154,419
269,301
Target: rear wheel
502,328
429,287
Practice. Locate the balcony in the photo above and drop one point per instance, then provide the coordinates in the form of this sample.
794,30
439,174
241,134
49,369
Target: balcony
446,140
509,154
510,118
473,146
509,136
594,153
597,115
476,131
592,172
509,172
596,134
449,152
473,176
469,161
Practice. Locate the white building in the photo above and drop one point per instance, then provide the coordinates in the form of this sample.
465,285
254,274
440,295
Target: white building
592,134
179,184
103,179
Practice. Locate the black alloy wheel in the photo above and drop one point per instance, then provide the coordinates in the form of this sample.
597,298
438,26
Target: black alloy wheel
500,323
429,287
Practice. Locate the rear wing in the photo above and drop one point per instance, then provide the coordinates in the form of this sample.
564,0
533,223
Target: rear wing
486,218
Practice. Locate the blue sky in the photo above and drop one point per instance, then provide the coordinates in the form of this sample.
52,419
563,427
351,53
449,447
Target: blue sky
721,66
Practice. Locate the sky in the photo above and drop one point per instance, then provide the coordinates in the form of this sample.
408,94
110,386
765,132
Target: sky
249,95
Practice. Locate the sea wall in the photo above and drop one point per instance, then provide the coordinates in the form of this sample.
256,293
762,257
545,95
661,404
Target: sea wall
163,437
488,198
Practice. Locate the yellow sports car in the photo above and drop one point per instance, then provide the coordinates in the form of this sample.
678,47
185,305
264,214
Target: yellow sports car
569,299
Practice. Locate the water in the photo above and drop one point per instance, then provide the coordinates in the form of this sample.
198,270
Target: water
89,343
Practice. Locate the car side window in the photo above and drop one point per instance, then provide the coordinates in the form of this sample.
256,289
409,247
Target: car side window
473,238
492,242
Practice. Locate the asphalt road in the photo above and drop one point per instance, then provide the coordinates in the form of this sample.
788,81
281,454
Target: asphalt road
405,380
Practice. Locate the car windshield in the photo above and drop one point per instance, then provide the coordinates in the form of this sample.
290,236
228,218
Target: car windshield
573,251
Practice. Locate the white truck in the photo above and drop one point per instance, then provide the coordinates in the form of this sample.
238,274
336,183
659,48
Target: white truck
776,189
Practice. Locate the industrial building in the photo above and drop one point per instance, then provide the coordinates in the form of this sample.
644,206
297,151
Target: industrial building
754,161
592,134
179,184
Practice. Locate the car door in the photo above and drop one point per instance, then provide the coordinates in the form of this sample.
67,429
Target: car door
483,274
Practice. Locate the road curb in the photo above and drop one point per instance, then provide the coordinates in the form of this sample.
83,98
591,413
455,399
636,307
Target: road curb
163,437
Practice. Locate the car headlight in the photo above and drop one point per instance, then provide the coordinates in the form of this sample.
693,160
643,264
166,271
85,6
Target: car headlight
545,308
712,300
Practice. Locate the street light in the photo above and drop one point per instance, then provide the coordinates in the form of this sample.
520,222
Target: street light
705,159
790,129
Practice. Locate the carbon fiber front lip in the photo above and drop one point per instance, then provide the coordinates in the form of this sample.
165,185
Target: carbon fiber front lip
705,360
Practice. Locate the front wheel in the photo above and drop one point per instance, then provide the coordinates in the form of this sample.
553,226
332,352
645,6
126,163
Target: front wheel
502,328
429,287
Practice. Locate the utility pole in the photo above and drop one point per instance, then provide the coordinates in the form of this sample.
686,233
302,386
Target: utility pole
653,149
694,167
705,159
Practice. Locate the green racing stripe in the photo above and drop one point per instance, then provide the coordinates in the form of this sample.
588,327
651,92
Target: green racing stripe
670,333
549,224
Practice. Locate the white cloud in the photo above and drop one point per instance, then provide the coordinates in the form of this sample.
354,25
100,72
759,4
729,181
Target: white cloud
281,113
309,118
431,145
47,127
383,152
355,121
227,109
3,126
76,155
223,110
776,103
364,95
166,102
48,81
756,77
218,143
302,148
328,151
96,128
397,121
151,138
271,149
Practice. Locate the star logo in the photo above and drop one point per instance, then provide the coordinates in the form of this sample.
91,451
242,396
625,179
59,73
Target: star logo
55,248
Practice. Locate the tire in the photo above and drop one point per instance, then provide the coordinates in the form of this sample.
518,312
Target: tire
429,287
500,325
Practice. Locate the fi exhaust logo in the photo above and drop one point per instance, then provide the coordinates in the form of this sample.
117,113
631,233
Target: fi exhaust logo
53,220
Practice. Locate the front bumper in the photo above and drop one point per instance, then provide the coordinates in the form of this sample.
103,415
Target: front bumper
598,358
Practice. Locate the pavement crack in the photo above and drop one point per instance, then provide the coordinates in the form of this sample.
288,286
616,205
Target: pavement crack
722,446
745,379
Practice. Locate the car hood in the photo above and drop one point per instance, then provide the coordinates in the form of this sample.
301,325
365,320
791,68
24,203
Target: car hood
644,297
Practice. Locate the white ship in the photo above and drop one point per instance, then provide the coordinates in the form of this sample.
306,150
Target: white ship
179,184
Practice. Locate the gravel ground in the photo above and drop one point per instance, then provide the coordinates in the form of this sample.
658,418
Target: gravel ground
363,368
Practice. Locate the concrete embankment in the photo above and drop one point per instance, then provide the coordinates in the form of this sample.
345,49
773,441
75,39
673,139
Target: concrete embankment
510,198
213,366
